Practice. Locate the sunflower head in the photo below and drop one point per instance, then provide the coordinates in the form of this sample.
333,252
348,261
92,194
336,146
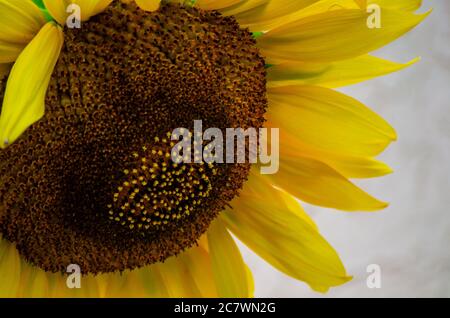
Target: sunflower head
87,115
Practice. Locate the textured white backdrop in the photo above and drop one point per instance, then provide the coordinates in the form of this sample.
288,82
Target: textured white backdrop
411,239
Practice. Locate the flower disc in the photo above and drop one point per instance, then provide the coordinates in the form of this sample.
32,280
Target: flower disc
92,183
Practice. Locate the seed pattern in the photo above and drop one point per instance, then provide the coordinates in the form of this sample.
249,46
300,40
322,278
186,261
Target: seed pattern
124,78
157,191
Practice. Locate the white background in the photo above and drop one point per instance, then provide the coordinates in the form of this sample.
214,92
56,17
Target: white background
411,239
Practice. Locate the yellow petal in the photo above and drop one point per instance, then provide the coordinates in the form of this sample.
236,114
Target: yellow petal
19,21
262,16
188,275
250,282
291,203
357,167
328,120
198,263
148,5
406,5
317,183
34,282
361,3
9,269
304,9
325,37
23,103
126,284
350,166
58,286
282,12
177,278
332,75
9,51
154,283
274,231
88,8
216,4
57,9
143,282
244,6
229,269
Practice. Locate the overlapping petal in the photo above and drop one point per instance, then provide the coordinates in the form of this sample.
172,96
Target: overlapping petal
350,166
20,21
58,9
244,6
332,75
317,183
329,120
23,103
229,269
190,274
10,269
216,4
283,236
405,5
271,13
334,35
299,9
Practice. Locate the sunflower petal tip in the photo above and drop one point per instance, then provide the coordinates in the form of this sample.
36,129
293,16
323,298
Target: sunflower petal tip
388,170
415,60
428,12
383,206
325,289
423,16
375,206
394,135
347,278
391,133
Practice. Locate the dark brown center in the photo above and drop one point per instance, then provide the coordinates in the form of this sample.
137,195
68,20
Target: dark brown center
92,183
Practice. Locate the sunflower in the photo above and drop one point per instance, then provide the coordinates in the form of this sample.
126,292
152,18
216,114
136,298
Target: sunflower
85,128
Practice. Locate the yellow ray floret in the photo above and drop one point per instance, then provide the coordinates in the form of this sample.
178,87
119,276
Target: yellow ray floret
244,6
404,5
348,165
316,183
20,21
23,103
265,16
332,75
190,274
329,120
271,14
216,4
283,235
58,9
326,37
226,259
